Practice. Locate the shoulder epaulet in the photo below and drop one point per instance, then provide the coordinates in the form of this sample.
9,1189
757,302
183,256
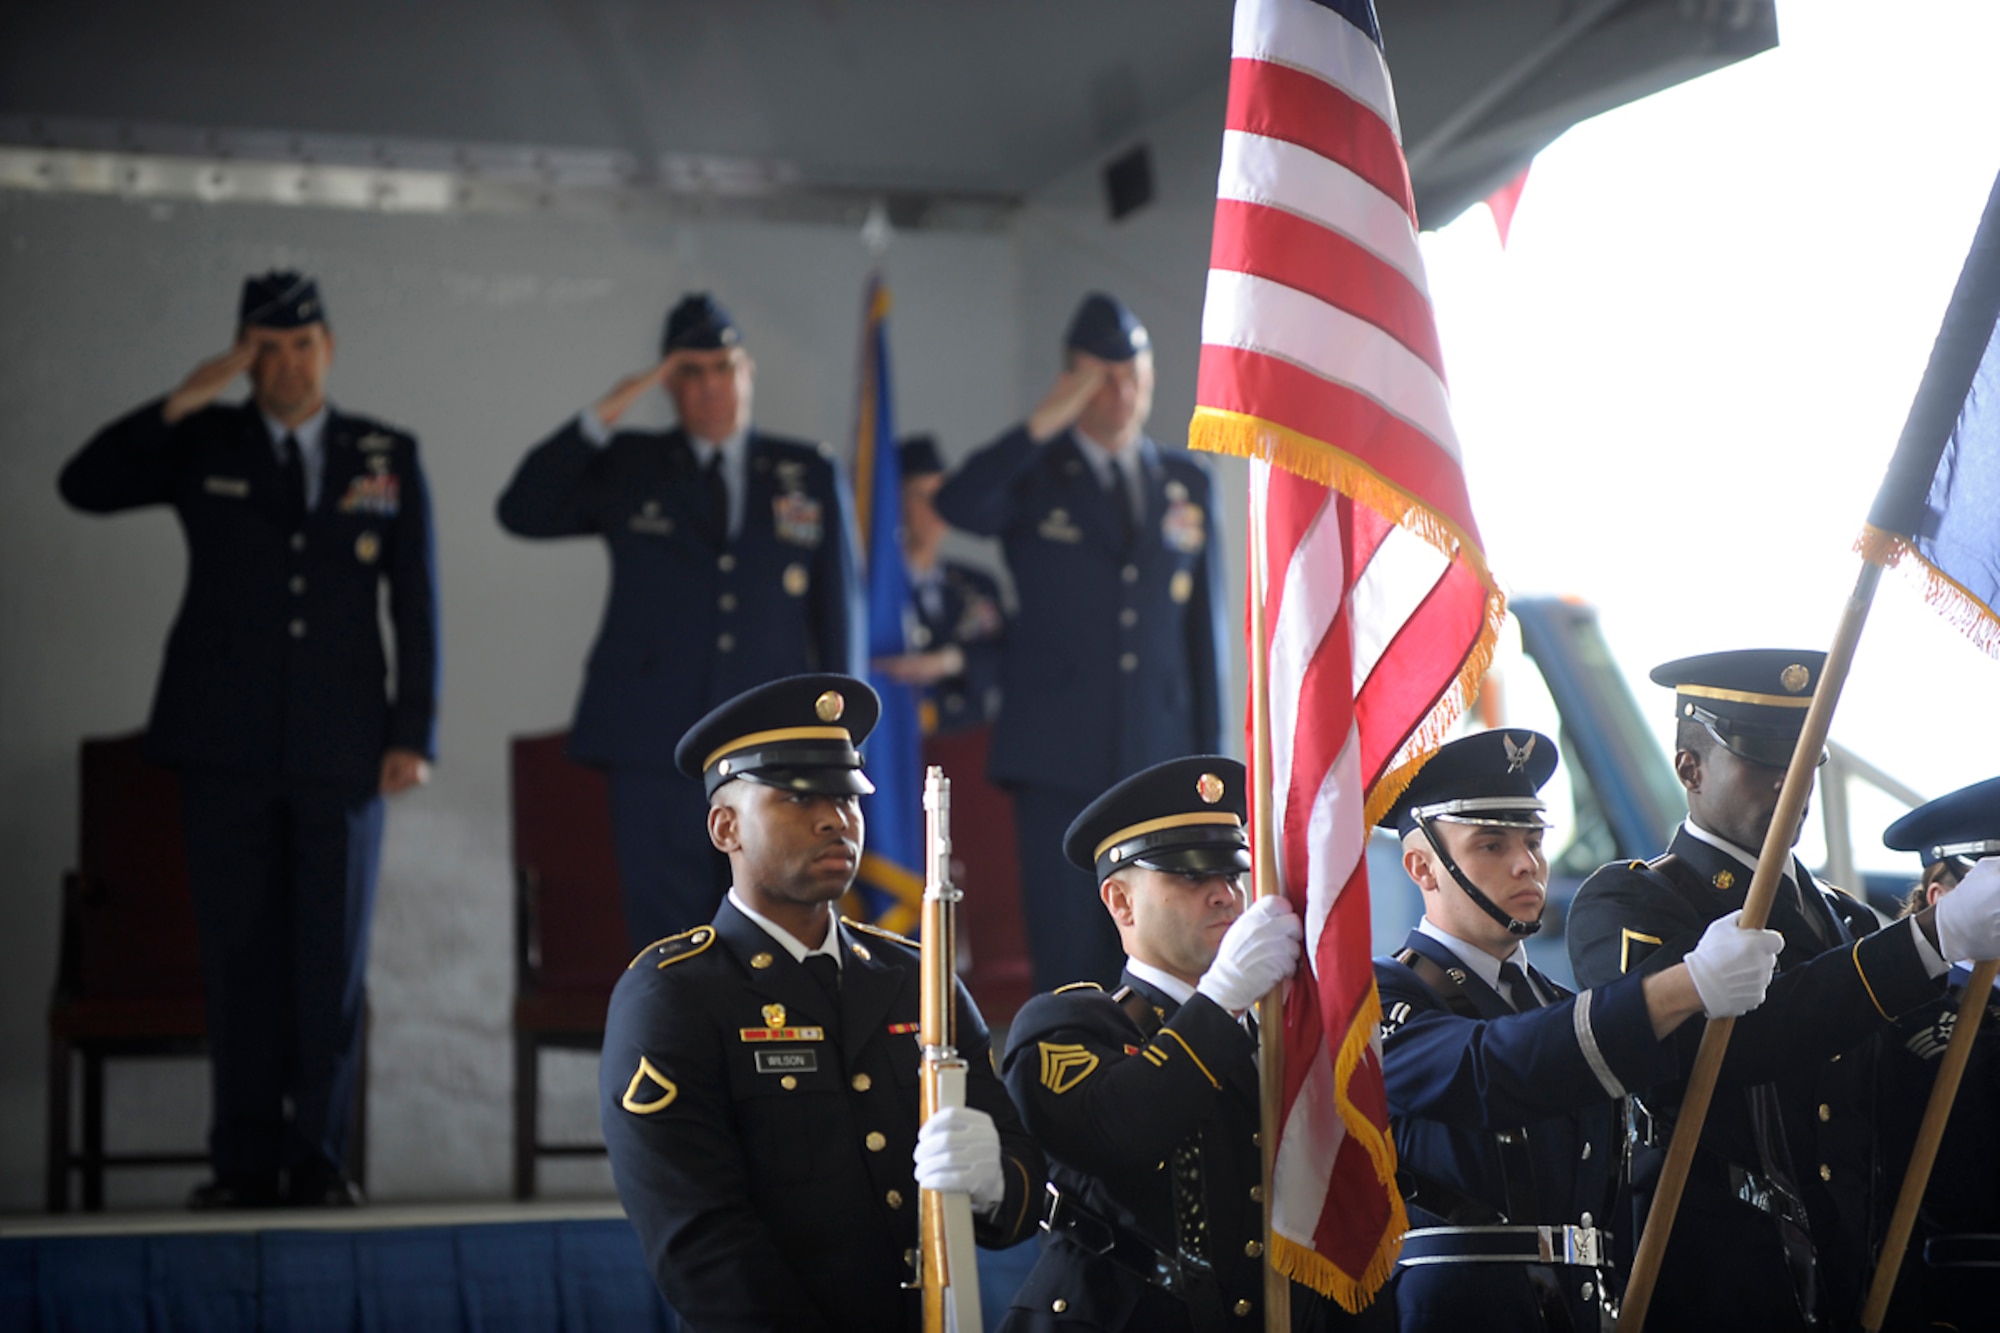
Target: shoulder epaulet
1076,985
1640,865
675,948
1846,893
880,933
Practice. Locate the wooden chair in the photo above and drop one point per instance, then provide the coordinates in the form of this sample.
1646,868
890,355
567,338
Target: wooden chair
570,945
128,976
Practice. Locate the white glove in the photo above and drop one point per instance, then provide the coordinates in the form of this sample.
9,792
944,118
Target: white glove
1260,950
1968,917
958,1151
1732,967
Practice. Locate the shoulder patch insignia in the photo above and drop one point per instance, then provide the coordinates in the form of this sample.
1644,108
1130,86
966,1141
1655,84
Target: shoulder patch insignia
1065,1066
646,1077
1929,1042
675,948
1076,985
878,932
1634,947
1399,1014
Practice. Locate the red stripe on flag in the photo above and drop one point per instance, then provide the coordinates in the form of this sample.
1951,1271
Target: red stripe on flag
1236,379
1279,102
1418,667
1286,248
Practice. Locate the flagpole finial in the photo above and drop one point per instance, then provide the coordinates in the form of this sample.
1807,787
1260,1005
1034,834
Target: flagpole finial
876,230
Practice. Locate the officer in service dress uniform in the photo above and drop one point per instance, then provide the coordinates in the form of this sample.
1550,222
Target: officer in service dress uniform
272,705
759,1081
732,563
957,621
1114,659
1146,1097
1504,1088
1951,1270
1774,1223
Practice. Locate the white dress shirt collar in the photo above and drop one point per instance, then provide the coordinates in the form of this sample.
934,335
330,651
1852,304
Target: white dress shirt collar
1483,964
788,941
1164,982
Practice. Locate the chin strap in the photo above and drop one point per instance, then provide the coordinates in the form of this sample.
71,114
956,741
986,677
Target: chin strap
1519,929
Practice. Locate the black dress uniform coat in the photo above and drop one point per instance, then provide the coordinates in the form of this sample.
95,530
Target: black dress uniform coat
689,623
1551,1076
1792,1109
969,613
275,664
1113,660
1128,1092
762,1142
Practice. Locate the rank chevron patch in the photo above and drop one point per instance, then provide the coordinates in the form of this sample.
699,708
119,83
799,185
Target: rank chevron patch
1063,1067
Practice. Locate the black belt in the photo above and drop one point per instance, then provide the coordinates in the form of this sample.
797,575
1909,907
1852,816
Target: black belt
1739,1182
1579,1247
1964,1250
1106,1239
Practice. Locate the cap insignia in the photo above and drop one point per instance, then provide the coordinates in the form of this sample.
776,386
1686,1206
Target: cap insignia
829,706
760,961
1724,880
1517,755
774,1015
1794,678
1209,787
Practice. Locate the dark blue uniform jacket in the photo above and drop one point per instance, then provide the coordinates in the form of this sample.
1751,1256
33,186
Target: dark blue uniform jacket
970,615
688,623
1114,660
276,663
762,1142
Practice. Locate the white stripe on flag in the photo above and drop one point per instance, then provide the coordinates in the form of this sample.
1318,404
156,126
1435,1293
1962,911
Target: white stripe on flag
1312,38
1337,839
1402,573
1259,315
1314,585
1307,1144
1261,170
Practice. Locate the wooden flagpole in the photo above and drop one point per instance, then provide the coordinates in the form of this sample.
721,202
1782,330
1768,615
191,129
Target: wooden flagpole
1924,1156
1264,863
1771,864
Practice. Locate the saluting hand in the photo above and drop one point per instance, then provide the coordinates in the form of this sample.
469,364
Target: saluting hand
205,383
402,770
631,389
1074,389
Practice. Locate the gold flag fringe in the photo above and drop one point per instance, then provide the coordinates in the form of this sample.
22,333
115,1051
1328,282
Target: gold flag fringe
1241,435
1959,605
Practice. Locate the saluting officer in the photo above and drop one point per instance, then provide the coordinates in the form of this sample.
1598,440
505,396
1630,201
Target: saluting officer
1786,1164
958,622
758,1089
1114,660
1504,1088
1951,1272
1146,1098
272,706
732,563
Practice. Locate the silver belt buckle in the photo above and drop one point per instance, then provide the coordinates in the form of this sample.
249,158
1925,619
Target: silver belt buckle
1582,1246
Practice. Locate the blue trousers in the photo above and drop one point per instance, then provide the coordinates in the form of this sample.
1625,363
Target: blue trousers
1070,935
670,876
283,875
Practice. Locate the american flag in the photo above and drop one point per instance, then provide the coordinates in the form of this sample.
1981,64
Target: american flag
1320,363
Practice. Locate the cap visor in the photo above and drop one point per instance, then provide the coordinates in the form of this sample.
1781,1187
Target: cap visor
1214,858
819,781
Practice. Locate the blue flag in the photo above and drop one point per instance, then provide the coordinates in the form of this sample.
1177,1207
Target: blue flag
1939,507
891,881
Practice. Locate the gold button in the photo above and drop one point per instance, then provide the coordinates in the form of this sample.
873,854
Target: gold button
1586,1150
760,961
1058,1305
1243,1308
1825,1112
725,563
1256,1194
298,541
1257,1137
298,584
1254,1249
1825,1171
298,629
788,1082
876,1140
894,1198
861,1082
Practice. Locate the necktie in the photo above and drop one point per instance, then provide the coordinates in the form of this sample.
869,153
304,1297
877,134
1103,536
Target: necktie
827,973
1514,987
1120,496
717,508
292,468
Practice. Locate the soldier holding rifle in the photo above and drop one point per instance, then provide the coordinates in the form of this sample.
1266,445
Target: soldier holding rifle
1773,1228
759,1082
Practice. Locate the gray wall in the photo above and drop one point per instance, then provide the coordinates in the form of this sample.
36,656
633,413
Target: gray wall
480,334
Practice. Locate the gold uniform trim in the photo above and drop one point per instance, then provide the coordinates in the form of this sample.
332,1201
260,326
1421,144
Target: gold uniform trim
700,938
1076,985
1166,822
877,931
1626,939
644,1075
780,734
1747,697
1860,972
1065,1066
1169,1032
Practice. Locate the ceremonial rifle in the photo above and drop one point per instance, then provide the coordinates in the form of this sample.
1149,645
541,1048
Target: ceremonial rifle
946,1246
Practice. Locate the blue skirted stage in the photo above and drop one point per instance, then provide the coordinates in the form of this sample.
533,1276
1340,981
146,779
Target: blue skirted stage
499,1268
